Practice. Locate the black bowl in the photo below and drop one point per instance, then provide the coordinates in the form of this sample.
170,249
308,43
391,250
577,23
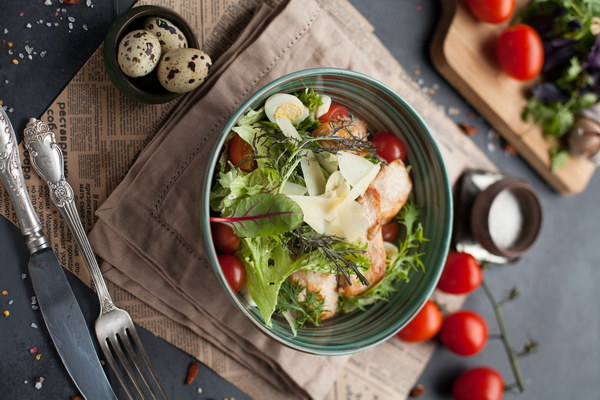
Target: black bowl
145,89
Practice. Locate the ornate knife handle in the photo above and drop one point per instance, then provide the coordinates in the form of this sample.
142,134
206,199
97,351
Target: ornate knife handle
47,160
12,177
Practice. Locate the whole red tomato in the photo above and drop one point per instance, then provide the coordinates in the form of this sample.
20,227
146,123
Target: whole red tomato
464,332
389,147
461,275
234,271
239,153
480,383
492,11
520,52
336,111
226,241
425,325
390,231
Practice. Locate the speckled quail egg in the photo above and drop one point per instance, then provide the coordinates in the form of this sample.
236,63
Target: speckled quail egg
169,36
182,70
138,53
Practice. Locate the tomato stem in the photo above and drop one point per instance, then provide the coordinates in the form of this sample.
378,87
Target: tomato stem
512,357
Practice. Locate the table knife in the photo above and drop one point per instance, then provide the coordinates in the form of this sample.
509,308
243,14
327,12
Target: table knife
61,313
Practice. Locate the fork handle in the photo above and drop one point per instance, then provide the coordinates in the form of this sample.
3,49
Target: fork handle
47,160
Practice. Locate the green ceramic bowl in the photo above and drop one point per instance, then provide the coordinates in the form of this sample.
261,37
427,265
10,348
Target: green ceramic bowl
384,110
146,89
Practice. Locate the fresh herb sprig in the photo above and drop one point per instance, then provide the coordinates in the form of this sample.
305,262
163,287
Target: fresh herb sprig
346,260
269,141
571,75
309,309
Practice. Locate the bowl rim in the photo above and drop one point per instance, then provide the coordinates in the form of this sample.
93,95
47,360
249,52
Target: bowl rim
205,207
111,44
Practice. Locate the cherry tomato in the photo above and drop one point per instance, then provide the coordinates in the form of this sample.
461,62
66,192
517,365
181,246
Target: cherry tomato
425,325
389,147
461,275
234,271
520,52
390,231
336,111
480,383
464,332
226,241
239,151
492,11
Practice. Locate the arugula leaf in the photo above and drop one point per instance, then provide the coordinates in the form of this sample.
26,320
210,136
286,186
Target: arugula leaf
261,215
302,311
399,267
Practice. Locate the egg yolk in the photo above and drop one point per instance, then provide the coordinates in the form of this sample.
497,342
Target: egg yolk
289,110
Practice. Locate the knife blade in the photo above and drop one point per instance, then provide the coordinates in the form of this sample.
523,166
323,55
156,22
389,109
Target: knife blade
61,313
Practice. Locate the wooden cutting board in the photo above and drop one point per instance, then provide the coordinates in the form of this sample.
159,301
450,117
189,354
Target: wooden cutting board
462,49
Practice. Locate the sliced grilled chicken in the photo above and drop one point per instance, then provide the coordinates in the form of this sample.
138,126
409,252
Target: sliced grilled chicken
323,284
376,255
371,201
393,185
382,200
349,128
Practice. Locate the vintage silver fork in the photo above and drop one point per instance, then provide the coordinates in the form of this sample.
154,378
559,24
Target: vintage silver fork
115,330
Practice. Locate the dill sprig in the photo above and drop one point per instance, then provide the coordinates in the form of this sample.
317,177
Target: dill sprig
283,154
304,241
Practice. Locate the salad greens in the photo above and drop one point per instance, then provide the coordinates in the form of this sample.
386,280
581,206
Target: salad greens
276,241
263,214
400,263
297,311
571,74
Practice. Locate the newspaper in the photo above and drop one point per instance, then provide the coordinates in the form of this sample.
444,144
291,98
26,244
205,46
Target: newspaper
101,133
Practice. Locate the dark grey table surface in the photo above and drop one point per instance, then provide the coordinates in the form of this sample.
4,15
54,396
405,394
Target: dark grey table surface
558,277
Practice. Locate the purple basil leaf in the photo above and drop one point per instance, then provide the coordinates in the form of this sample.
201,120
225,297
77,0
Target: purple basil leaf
593,60
595,85
575,25
549,92
558,53
541,23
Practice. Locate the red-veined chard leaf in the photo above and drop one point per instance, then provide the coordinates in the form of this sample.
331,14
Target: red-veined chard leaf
261,215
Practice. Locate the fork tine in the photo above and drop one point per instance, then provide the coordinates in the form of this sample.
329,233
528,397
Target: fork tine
134,357
108,353
138,345
116,347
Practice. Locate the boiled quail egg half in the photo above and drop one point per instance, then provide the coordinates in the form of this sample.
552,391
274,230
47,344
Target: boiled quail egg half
285,106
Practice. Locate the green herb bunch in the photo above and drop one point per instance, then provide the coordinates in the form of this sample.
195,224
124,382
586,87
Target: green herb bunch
571,73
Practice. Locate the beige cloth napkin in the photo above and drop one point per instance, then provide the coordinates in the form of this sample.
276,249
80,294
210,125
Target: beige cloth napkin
148,231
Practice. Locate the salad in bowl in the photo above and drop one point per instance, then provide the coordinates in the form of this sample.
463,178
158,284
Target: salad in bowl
315,218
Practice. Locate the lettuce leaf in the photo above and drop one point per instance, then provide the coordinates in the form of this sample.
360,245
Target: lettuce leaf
234,185
268,264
